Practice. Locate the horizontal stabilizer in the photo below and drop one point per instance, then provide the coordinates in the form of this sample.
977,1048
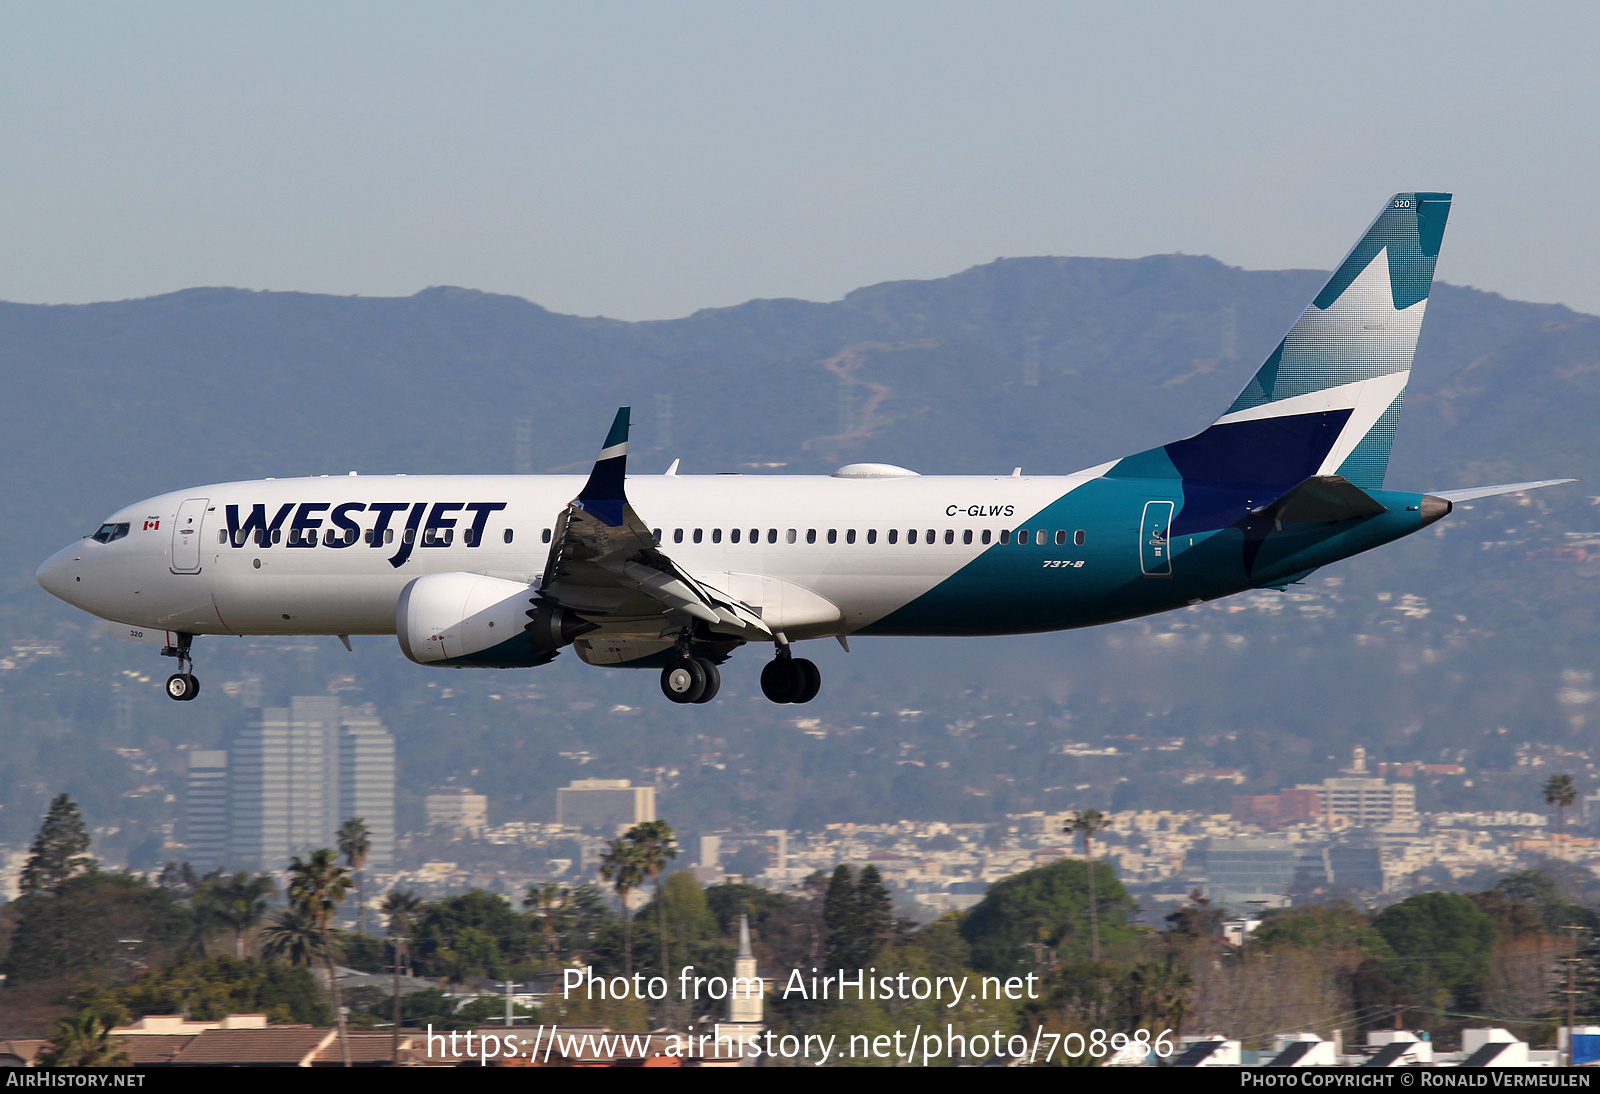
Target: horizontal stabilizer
1454,496
1323,499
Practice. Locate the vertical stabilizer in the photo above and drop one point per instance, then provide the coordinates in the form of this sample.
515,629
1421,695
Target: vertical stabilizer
1327,400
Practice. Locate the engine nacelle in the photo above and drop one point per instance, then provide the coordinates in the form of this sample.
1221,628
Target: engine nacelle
456,620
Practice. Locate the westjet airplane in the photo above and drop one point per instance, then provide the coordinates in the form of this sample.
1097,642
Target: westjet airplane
676,572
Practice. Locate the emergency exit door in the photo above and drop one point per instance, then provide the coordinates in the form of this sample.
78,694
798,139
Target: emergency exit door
1155,550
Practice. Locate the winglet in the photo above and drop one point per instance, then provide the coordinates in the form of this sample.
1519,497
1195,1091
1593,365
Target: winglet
602,496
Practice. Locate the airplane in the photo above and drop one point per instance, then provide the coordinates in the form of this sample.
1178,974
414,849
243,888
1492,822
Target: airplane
676,572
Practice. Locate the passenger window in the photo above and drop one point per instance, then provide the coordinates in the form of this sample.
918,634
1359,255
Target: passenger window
277,535
872,535
932,536
894,534
1005,535
755,535
1041,537
1061,537
716,535
698,535
772,535
911,536
850,536
1077,537
950,536
1022,537
986,535
733,536
411,535
966,537
833,535
677,535
388,536
790,535
811,535
656,533
222,535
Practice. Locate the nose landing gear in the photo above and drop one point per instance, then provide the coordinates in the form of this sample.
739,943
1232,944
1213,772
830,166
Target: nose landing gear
182,685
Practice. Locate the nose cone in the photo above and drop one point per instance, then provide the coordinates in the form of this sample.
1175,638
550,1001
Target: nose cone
55,576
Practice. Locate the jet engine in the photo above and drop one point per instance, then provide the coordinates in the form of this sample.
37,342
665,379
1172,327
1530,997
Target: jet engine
455,620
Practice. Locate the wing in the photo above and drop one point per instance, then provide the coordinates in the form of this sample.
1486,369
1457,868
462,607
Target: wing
606,566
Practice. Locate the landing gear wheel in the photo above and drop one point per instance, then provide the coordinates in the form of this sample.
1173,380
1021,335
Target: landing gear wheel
779,682
713,680
684,680
808,680
182,687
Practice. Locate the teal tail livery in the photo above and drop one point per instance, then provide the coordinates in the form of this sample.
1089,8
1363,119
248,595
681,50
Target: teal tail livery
677,572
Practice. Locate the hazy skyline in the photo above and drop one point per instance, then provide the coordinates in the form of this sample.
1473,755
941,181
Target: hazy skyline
643,161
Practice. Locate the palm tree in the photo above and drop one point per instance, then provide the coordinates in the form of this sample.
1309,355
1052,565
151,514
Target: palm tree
622,867
355,844
402,908
241,903
657,846
549,906
1561,793
84,1041
293,938
1085,823
316,888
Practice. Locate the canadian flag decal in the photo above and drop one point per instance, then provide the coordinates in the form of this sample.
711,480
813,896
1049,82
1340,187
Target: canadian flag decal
151,525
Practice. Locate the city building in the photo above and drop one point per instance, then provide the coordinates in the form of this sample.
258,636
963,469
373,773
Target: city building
287,781
457,810
1367,802
205,832
610,805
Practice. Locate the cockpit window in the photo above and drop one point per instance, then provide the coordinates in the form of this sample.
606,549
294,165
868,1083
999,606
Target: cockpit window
109,532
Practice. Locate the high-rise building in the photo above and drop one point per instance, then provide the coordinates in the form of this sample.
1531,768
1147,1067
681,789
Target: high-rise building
606,804
295,773
205,829
366,780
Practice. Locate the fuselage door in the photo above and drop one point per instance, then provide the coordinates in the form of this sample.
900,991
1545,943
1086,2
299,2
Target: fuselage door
1155,553
186,533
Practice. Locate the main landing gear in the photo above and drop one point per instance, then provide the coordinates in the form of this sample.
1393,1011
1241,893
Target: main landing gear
689,679
790,679
182,685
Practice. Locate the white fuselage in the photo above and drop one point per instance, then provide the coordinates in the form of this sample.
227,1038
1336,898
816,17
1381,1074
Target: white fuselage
178,568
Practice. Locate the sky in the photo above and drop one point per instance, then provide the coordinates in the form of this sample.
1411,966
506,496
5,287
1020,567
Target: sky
645,160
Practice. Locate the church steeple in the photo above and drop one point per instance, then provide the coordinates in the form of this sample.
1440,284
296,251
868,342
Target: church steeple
746,1000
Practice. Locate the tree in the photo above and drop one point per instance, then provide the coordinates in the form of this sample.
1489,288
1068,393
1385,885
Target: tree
549,906
402,909
1085,823
316,887
1560,792
84,1041
874,914
355,844
94,924
621,866
241,903
1047,904
1442,945
57,855
840,917
656,847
